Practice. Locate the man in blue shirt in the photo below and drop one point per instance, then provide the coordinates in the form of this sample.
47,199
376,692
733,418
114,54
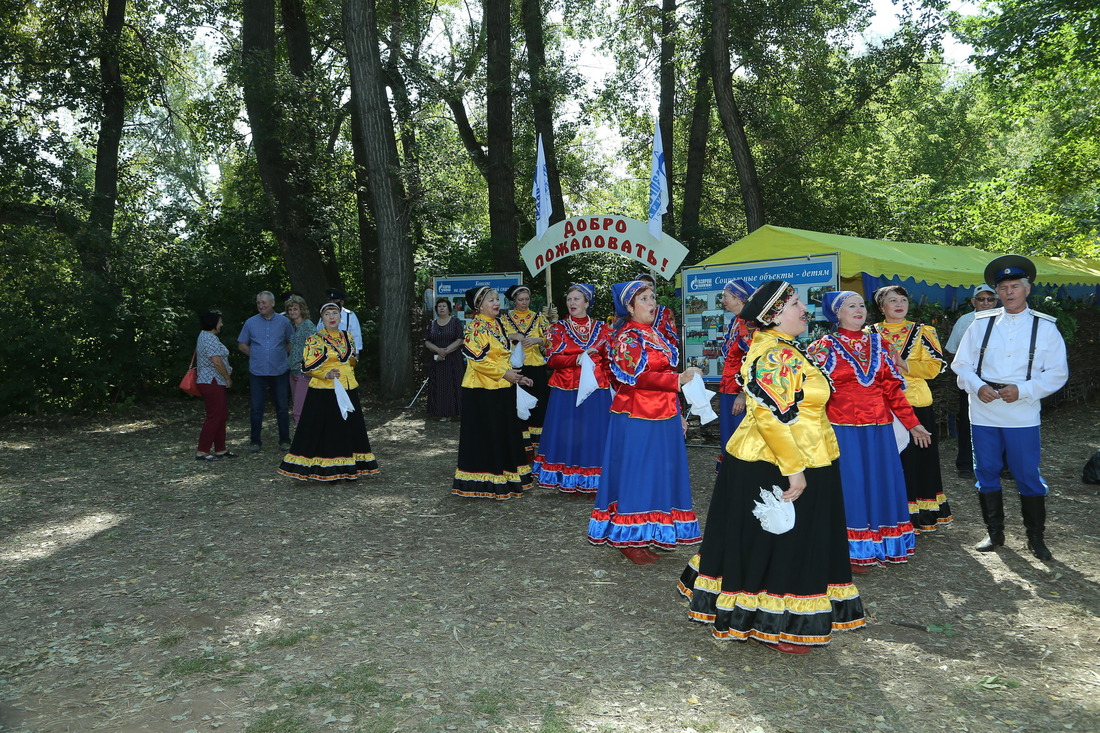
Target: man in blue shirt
265,340
984,299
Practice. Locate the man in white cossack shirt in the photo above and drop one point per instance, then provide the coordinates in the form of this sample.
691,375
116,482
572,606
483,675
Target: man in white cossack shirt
1008,360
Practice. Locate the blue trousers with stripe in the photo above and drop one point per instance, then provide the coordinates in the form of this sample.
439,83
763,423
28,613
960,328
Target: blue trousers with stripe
1018,447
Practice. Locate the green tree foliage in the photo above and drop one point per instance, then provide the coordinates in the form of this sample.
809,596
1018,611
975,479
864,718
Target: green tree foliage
881,140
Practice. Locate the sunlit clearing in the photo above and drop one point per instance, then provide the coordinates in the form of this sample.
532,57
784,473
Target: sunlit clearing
131,427
56,536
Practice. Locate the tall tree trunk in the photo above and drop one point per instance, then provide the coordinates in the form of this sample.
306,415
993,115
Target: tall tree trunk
299,52
299,49
368,235
96,241
667,104
413,191
542,103
371,105
696,151
542,108
503,228
732,123
290,206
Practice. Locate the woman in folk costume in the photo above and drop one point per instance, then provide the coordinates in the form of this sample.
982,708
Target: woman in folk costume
665,320
731,403
792,590
571,450
868,393
492,459
915,350
329,446
644,495
523,325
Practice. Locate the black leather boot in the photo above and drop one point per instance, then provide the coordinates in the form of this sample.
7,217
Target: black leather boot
1034,509
993,513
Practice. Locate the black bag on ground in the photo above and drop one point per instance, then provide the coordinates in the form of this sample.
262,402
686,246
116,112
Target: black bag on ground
1091,474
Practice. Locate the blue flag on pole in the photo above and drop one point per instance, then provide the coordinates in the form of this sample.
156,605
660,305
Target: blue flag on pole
541,193
658,185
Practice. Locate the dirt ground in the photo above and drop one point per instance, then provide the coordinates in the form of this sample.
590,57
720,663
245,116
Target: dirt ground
143,591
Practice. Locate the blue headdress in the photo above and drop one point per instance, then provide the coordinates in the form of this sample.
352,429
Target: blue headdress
623,293
833,300
740,288
587,291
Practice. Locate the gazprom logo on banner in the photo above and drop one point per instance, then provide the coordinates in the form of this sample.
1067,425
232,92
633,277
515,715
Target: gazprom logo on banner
702,283
444,288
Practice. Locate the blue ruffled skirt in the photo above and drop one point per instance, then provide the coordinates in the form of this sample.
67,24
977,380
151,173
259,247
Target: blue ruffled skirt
875,504
644,495
571,451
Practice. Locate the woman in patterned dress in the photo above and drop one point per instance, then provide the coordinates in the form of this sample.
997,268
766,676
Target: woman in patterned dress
867,395
298,313
915,350
789,591
329,445
644,495
492,458
525,325
731,403
571,452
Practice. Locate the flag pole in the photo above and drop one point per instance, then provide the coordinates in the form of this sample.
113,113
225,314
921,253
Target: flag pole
541,193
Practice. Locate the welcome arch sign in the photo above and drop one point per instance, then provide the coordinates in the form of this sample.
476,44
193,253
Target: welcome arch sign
618,235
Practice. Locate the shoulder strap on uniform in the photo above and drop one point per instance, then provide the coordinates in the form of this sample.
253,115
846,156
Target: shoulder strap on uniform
1031,348
985,343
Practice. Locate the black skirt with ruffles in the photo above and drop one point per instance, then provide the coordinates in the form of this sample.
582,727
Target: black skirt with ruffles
327,447
492,458
750,584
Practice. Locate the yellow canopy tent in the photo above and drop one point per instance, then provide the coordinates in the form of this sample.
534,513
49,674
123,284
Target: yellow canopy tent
933,264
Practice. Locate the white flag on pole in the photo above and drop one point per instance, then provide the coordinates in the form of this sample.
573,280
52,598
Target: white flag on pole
541,193
658,185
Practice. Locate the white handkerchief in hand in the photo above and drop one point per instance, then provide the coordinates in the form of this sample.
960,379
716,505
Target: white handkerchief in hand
517,355
342,400
588,383
525,402
699,397
775,515
901,435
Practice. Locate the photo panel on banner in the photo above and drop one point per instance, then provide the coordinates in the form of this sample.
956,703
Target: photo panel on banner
706,321
454,287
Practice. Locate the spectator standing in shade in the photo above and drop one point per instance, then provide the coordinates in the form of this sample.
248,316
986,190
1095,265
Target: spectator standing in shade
214,380
298,312
265,340
348,321
1008,362
984,299
443,340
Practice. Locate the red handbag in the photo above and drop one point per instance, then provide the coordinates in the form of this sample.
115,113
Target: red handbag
190,381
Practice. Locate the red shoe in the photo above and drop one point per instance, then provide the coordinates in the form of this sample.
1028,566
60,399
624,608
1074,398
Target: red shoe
638,556
649,551
861,568
786,648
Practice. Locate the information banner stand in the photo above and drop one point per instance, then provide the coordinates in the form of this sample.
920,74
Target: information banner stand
705,320
454,287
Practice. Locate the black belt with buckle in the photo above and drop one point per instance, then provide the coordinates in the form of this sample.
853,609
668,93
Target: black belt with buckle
996,385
